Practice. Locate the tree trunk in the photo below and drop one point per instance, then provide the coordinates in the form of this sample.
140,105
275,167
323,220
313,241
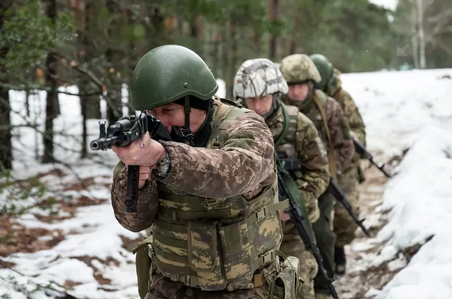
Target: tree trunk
81,18
420,22
114,100
87,14
195,34
170,26
229,80
256,41
6,156
156,28
273,14
293,40
216,52
130,66
235,48
180,25
27,102
83,108
52,94
415,39
224,56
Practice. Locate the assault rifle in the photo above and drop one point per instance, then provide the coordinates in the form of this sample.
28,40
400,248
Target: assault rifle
124,132
334,189
300,221
361,149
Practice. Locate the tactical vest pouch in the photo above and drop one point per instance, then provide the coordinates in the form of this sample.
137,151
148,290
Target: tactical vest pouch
143,265
282,277
242,255
203,257
245,246
286,283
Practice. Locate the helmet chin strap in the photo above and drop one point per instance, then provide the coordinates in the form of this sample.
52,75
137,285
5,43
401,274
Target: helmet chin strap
185,131
310,91
274,106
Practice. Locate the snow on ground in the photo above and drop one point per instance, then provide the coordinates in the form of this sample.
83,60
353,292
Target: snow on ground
402,110
93,246
412,110
421,207
396,106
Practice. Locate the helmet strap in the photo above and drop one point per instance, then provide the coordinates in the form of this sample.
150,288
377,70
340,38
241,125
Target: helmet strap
310,90
274,106
187,110
185,131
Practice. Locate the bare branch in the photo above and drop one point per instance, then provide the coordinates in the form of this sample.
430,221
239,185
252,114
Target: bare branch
45,88
444,15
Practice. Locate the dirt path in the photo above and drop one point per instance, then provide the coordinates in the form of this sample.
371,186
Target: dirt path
364,271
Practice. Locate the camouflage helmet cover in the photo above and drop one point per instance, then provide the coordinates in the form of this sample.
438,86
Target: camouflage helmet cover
258,77
168,73
298,68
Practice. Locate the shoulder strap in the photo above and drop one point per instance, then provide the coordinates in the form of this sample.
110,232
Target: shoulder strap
293,112
331,158
225,115
281,136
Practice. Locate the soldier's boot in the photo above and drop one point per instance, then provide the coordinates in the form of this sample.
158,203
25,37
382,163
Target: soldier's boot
340,260
323,296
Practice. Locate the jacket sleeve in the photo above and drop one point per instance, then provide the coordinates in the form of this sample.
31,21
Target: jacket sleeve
243,164
351,112
312,154
340,135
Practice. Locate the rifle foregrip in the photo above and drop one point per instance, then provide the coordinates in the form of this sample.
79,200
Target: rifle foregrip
133,173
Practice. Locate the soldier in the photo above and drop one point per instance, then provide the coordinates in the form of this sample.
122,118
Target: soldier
209,196
260,85
344,226
326,114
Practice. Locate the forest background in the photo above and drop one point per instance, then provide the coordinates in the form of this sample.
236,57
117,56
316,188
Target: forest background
95,45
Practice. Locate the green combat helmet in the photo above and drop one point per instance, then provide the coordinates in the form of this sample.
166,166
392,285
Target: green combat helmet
168,73
299,68
172,73
325,68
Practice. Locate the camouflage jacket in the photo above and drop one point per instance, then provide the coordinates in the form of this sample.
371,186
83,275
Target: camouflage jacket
214,204
349,107
337,124
243,165
302,142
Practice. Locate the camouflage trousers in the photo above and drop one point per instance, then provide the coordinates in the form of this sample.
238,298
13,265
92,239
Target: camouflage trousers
344,226
292,245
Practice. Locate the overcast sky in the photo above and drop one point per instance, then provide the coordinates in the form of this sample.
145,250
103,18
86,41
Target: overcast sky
390,4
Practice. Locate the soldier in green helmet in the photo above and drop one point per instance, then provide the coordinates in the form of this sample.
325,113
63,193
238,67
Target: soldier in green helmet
328,117
209,196
260,85
344,226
